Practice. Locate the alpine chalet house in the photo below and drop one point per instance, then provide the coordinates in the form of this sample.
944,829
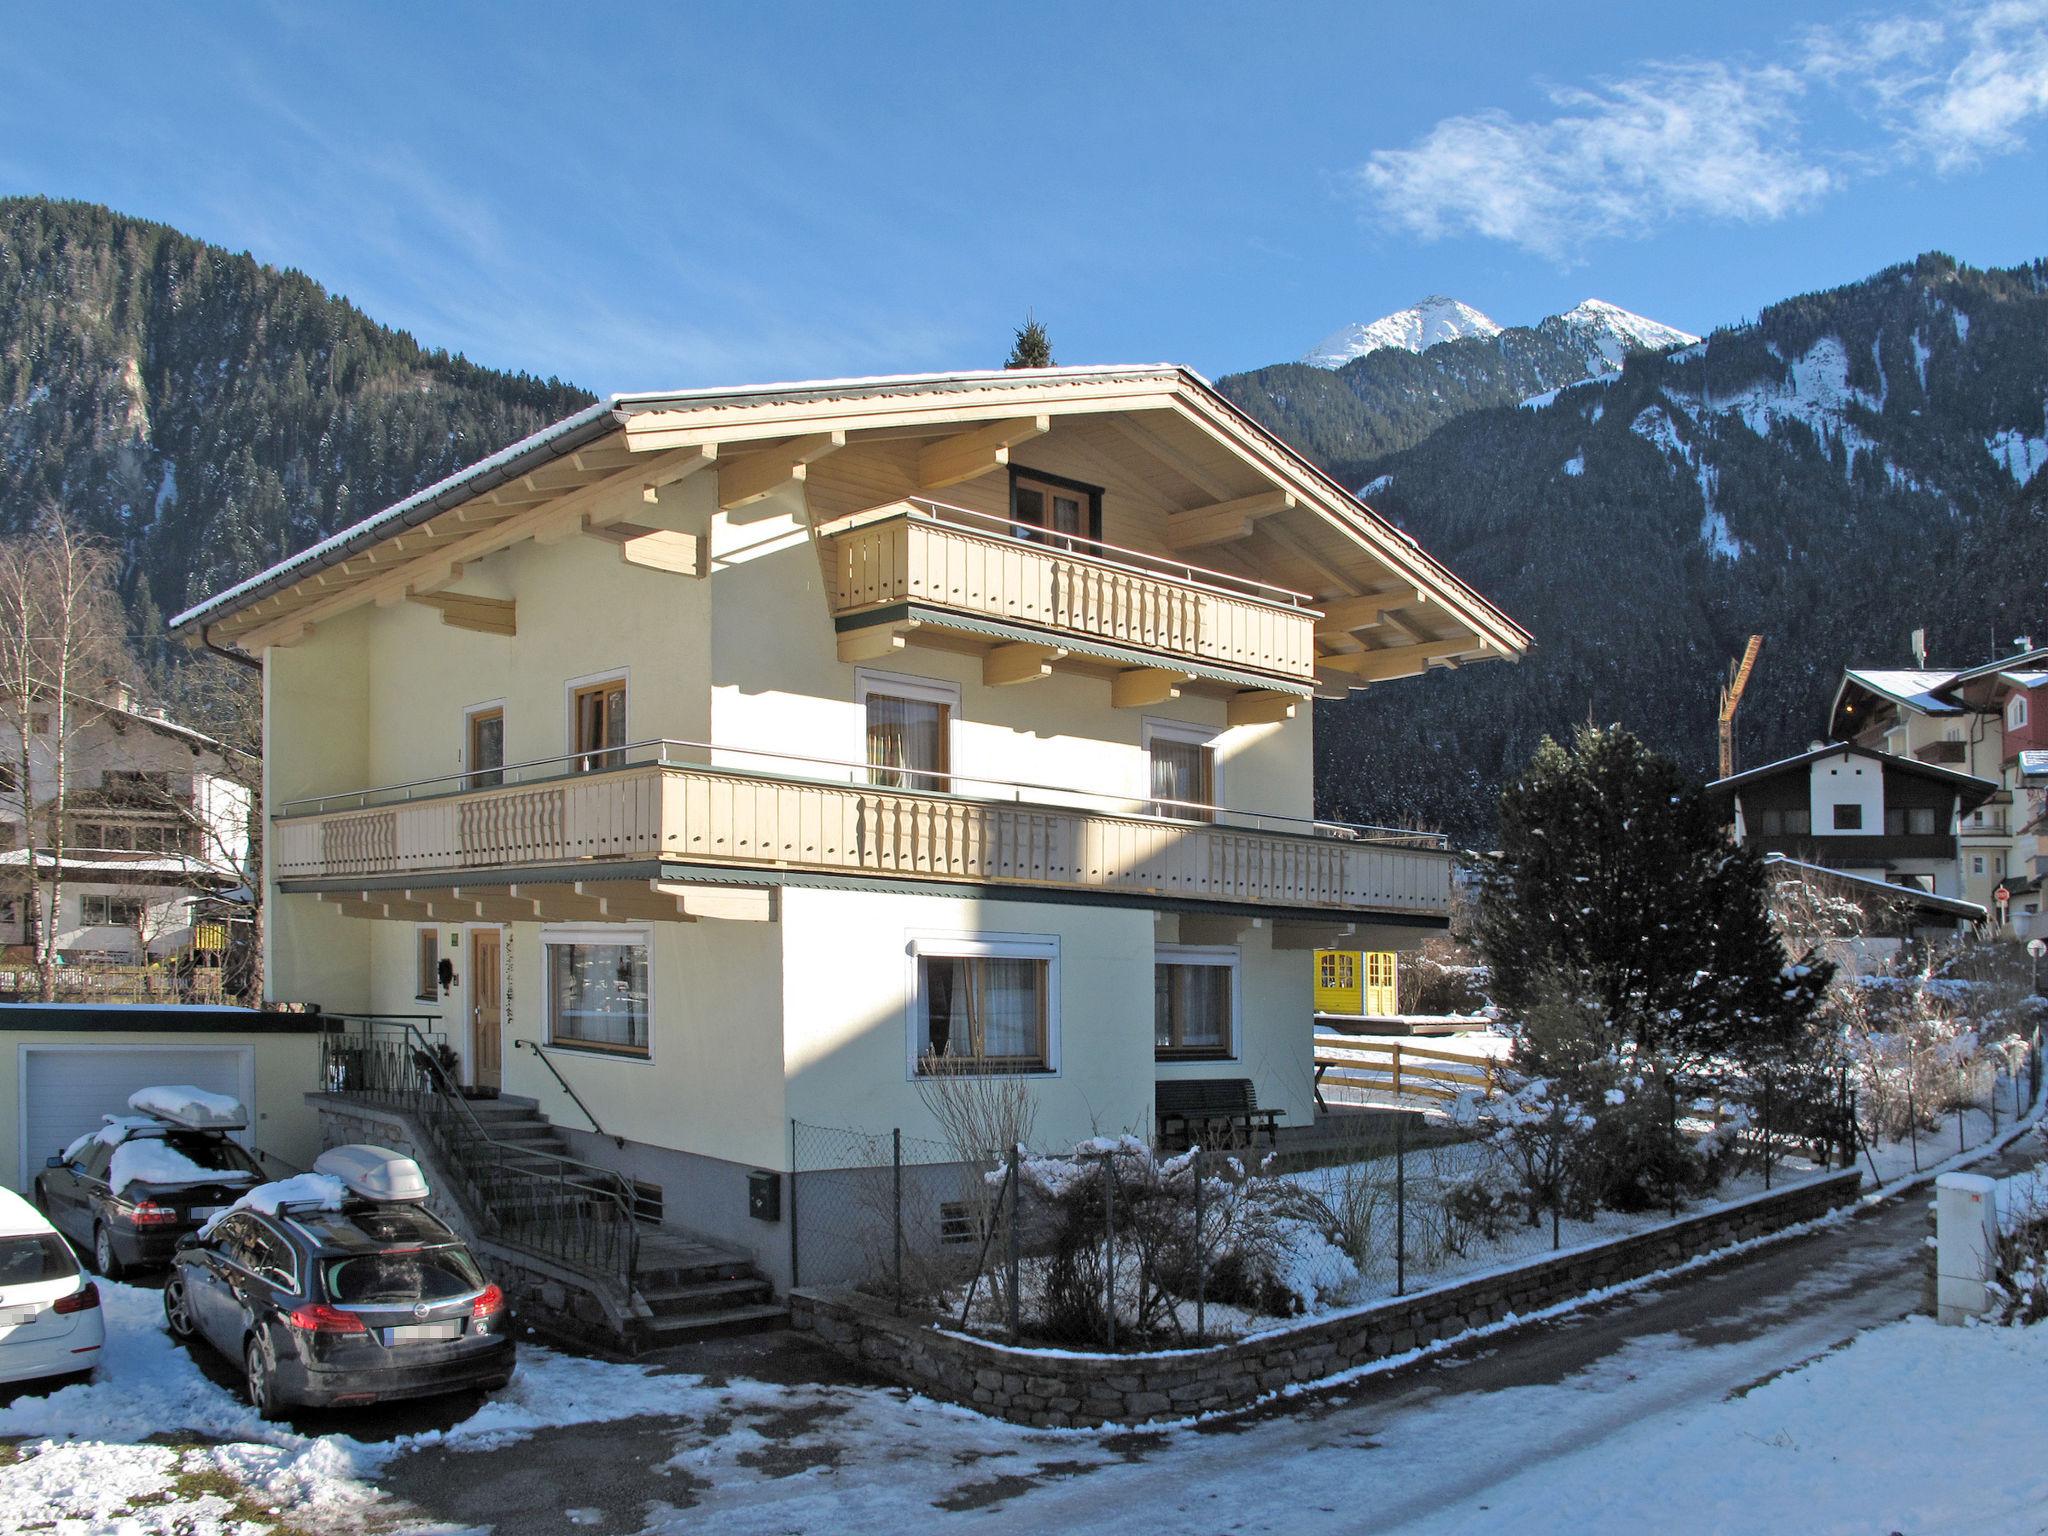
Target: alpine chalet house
1986,721
156,829
719,760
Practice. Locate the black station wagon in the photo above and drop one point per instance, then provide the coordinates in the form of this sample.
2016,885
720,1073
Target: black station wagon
373,1301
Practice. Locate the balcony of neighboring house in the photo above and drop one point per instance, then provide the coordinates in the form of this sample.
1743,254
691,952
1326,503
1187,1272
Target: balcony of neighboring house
1947,754
627,831
1029,598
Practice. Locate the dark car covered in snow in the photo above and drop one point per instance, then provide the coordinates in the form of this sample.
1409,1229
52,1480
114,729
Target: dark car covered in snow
127,1192
339,1287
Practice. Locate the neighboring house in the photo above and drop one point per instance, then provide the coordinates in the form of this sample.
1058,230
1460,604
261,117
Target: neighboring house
1986,721
741,754
1863,812
157,821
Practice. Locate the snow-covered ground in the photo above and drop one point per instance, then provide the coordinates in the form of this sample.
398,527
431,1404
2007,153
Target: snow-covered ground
1723,1397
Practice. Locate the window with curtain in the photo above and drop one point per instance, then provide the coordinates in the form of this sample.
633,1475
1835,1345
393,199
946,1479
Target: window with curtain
426,986
597,994
983,1012
1191,1013
600,725
1182,771
907,747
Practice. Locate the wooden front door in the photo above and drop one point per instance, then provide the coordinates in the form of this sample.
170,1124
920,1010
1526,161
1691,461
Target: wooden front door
486,1009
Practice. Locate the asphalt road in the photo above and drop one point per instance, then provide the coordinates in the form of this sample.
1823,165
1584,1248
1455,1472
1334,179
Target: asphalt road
1411,1449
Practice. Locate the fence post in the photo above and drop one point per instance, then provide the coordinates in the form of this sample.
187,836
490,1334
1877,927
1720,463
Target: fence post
1994,1099
793,1279
1671,1102
1962,1111
1912,1113
1109,1242
1201,1256
1400,1203
1015,1177
1856,1130
1397,1076
896,1208
1770,1103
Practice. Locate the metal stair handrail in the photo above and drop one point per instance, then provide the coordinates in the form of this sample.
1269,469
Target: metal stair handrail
549,1062
592,1228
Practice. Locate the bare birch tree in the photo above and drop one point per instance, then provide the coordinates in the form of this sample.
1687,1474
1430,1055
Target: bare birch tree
61,644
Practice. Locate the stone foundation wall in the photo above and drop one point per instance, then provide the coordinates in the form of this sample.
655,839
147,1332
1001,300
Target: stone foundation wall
1068,1388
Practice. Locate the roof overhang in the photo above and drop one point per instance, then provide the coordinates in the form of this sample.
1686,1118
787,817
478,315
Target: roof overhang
1973,790
547,486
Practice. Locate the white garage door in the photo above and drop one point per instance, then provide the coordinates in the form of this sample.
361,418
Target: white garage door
66,1088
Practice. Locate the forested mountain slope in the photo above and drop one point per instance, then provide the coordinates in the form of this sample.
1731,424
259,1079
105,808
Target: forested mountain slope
210,414
1855,464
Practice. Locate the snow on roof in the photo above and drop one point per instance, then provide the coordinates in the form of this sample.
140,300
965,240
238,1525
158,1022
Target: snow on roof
193,1108
18,1218
319,1190
1912,687
1954,905
152,1161
181,866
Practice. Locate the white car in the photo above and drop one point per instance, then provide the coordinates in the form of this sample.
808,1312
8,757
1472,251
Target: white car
50,1323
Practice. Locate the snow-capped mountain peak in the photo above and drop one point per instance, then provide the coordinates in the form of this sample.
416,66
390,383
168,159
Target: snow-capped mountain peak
1415,329
1612,332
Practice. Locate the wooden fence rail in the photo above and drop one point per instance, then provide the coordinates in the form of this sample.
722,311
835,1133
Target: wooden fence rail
1393,1066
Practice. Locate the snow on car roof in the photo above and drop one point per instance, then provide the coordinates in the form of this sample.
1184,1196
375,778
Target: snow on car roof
149,1160
18,1218
318,1190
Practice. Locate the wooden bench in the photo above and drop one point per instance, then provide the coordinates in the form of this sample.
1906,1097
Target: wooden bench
1212,1111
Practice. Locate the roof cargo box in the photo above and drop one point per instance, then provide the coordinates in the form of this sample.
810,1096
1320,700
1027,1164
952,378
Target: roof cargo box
192,1108
374,1173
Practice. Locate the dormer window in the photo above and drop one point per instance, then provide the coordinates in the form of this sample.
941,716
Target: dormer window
1056,505
2016,713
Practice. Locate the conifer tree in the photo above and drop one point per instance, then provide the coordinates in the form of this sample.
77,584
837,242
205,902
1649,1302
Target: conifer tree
1033,348
1616,884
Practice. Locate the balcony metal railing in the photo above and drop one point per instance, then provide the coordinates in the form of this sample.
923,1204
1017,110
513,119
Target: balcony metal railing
982,566
695,802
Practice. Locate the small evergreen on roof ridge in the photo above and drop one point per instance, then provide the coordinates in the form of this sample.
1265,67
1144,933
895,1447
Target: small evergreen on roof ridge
1033,348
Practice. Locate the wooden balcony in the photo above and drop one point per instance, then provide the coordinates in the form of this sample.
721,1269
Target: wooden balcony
923,562
695,814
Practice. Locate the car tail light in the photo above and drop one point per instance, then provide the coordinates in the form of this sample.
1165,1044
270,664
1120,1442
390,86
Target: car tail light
147,1213
321,1318
85,1299
490,1304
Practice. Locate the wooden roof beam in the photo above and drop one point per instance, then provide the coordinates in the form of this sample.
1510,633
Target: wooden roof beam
1343,615
1142,687
749,479
464,610
1223,521
969,455
1260,706
1142,433
1021,662
1397,661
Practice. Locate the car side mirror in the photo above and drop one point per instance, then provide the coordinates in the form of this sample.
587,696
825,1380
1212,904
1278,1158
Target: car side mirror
54,1160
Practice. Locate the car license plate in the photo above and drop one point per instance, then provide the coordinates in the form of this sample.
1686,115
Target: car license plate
206,1212
407,1333
14,1317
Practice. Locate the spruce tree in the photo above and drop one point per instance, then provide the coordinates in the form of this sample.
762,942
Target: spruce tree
1616,884
1033,348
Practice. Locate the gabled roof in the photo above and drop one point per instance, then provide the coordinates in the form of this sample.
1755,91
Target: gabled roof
1911,687
1905,895
632,437
1975,791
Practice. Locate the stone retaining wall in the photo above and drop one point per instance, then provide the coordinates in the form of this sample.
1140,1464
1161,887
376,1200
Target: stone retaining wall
1070,1388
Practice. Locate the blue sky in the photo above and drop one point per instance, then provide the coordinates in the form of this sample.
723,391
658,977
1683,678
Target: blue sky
674,195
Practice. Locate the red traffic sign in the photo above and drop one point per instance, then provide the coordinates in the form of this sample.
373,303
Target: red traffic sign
2001,895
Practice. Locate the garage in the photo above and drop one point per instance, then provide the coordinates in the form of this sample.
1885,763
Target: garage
63,1066
66,1088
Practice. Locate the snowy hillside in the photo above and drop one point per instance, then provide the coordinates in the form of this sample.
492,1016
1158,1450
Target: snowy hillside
1609,332
1417,328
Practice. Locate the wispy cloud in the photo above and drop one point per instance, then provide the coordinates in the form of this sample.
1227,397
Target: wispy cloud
1669,141
1724,140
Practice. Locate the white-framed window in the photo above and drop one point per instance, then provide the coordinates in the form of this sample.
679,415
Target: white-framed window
1183,777
98,911
908,729
2016,713
1194,1002
983,1003
597,720
599,987
1976,863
